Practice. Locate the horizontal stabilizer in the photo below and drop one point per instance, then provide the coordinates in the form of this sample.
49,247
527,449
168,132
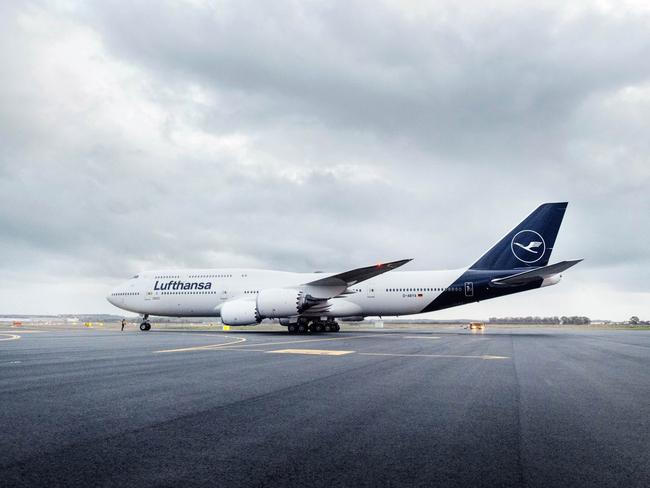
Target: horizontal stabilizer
354,276
535,274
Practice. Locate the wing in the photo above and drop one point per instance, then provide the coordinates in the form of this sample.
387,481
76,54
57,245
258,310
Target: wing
336,284
535,274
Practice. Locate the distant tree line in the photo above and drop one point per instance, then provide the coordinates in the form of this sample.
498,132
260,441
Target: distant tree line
634,320
573,320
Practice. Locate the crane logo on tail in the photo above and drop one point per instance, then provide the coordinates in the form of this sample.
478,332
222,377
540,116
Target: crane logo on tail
528,246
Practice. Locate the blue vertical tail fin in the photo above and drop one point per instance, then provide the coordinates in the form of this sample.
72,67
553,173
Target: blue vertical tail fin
529,244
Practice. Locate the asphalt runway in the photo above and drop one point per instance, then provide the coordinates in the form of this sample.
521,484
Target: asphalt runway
534,408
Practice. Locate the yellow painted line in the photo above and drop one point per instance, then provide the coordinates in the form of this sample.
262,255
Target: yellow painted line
315,352
420,337
11,337
186,333
245,349
485,356
315,340
203,348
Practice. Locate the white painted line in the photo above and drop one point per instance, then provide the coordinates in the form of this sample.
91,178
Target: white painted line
22,331
485,356
315,352
10,337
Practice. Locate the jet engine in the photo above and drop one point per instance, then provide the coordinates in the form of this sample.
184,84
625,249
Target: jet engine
240,312
272,303
280,302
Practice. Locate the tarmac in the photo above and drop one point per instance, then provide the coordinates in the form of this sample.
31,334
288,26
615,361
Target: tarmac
443,407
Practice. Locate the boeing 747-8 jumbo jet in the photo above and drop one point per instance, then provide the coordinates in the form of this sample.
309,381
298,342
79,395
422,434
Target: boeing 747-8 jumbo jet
310,302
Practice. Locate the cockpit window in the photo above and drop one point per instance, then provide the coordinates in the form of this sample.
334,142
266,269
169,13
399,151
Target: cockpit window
134,277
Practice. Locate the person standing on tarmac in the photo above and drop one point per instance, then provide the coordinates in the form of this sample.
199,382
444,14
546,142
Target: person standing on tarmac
123,324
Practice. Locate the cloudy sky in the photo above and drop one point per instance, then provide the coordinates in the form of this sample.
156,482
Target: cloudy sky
306,135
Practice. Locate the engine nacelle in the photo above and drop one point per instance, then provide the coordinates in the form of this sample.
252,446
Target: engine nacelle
240,312
279,302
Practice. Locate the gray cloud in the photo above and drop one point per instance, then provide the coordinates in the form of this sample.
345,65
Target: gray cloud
319,136
454,80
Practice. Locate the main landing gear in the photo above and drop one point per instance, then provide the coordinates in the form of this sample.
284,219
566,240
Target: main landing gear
304,326
145,325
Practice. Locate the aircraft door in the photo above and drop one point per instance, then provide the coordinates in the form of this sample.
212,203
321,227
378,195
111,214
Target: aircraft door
224,295
469,289
371,292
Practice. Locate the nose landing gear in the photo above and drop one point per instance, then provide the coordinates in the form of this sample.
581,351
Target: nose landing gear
145,325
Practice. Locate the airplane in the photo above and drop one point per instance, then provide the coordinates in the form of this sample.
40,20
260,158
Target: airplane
311,302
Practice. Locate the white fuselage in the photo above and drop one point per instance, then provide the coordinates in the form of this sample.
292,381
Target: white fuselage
202,292
516,263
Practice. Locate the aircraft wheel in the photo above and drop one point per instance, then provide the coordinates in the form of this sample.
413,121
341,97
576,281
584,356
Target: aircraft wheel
328,328
319,327
302,328
148,326
292,328
144,326
337,327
